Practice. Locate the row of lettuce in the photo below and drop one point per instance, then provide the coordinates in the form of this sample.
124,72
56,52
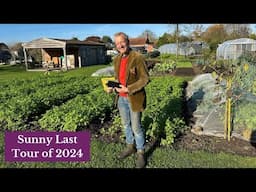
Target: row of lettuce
70,103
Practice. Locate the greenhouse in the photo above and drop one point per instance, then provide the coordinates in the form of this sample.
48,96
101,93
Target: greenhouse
232,49
185,48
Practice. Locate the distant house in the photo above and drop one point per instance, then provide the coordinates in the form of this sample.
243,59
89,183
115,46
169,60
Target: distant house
5,54
141,44
67,54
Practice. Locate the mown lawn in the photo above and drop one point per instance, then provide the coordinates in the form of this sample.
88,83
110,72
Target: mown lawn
103,155
10,72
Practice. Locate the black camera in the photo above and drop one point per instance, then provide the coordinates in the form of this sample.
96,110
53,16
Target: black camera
113,84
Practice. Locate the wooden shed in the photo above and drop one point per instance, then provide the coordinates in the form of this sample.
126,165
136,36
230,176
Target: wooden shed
67,54
5,54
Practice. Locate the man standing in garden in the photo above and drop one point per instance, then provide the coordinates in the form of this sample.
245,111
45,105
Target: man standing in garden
132,74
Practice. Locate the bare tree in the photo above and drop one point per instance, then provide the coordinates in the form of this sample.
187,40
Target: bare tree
197,31
194,30
237,30
148,33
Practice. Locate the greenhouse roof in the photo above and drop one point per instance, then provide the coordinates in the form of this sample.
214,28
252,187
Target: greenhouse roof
240,41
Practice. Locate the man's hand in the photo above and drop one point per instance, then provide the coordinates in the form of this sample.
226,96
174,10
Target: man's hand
109,89
123,89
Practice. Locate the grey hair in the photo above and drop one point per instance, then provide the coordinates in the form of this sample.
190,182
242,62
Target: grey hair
125,36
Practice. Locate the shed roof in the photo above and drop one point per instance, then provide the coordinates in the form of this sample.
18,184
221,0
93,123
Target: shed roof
3,46
56,43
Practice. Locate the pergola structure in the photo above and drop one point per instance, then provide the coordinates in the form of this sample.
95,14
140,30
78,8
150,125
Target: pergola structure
67,53
45,43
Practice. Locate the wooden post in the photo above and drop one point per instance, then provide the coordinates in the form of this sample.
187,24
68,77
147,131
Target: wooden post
65,57
79,61
42,56
177,42
226,119
227,128
25,57
229,118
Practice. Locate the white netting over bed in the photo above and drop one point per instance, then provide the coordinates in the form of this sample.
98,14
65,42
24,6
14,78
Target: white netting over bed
206,100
